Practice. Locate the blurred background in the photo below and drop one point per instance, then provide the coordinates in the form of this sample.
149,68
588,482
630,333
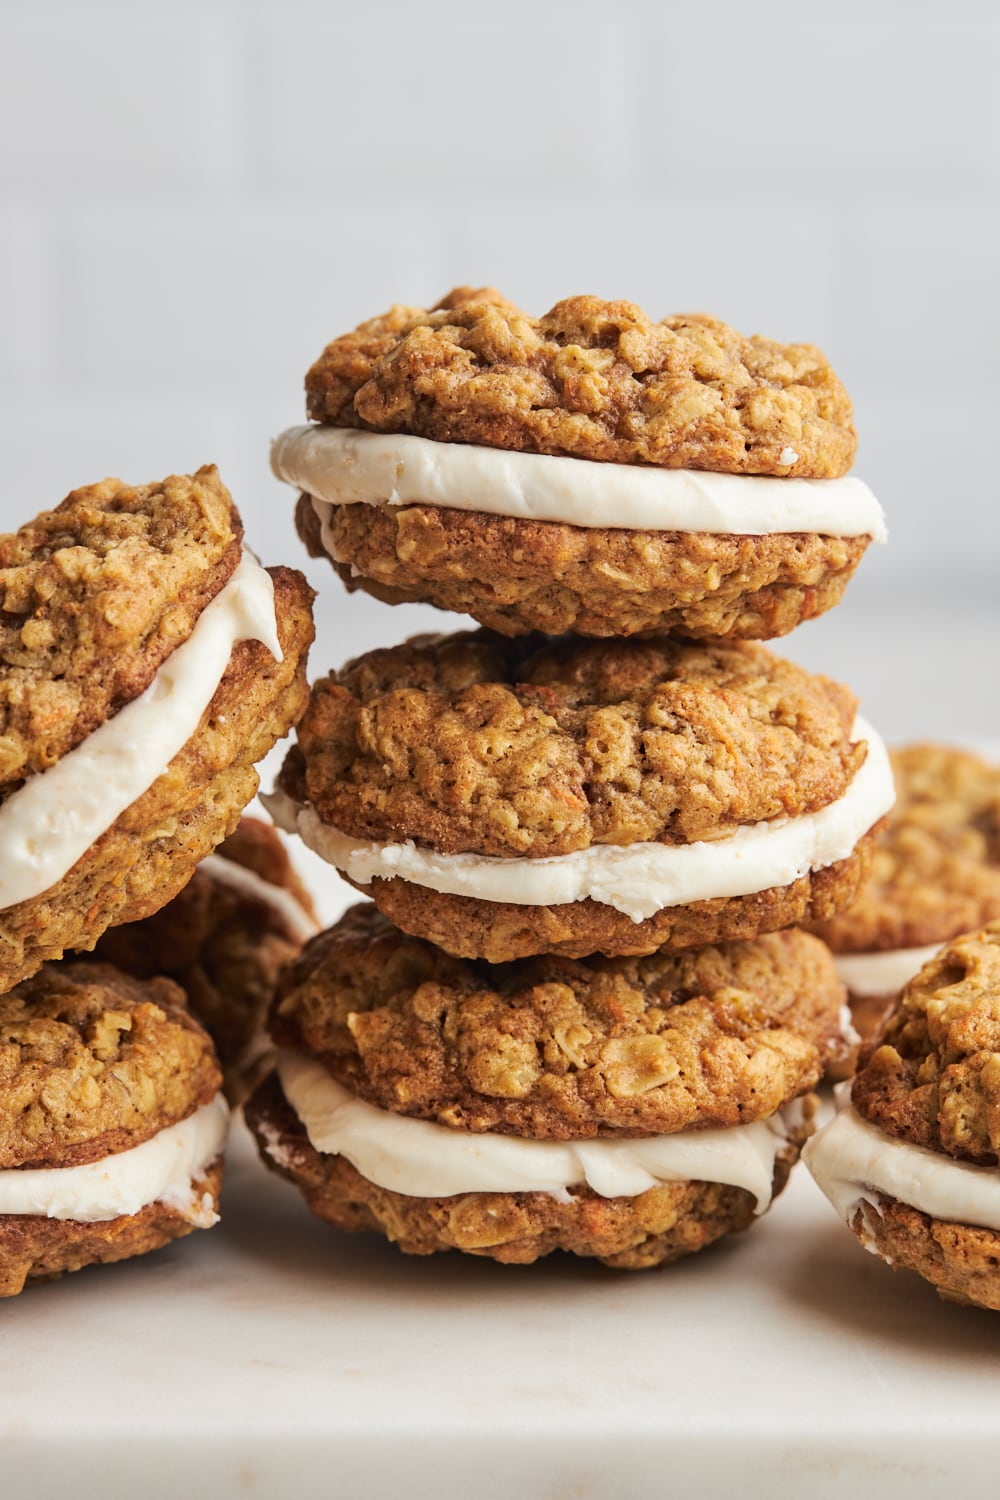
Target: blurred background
195,196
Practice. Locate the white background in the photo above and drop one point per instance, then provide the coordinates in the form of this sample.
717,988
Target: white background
196,195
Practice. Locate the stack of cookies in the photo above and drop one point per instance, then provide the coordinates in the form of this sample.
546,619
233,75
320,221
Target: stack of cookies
574,1012
147,662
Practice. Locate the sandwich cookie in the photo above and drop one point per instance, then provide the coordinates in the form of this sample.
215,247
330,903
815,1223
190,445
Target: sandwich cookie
590,470
629,1109
912,1160
147,661
225,938
935,874
112,1124
503,798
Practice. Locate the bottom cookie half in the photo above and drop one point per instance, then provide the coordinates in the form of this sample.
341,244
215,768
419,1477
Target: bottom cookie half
499,932
35,1248
960,1261
636,1233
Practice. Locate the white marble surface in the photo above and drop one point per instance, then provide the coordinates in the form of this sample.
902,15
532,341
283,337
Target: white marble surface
273,1356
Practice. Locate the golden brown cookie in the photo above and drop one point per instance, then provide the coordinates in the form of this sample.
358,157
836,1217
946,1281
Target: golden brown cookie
516,576
553,1048
126,602
451,1086
487,791
911,1163
563,473
935,874
102,1075
224,939
94,596
591,379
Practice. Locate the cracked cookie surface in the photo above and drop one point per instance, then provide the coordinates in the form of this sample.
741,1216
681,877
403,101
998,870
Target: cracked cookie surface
554,1049
936,869
931,1074
473,743
94,596
590,379
94,1062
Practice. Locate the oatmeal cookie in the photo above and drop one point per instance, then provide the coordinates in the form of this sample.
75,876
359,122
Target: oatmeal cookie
936,870
630,1110
94,628
589,470
911,1162
35,1249
94,596
470,743
931,1074
225,938
93,1062
649,1229
95,1068
499,931
554,1049
935,874
590,379
506,753
516,576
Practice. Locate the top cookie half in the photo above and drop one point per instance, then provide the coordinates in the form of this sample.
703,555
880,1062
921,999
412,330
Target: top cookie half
590,470
147,661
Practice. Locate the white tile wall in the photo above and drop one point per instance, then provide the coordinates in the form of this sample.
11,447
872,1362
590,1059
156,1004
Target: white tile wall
196,194
23,316
223,300
111,97
398,101
806,95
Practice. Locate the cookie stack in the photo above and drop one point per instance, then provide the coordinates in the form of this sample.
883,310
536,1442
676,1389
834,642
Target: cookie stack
147,661
573,1014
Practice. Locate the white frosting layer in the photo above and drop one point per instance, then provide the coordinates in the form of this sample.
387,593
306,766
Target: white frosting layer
248,883
340,466
422,1159
854,1163
636,879
164,1169
51,821
882,973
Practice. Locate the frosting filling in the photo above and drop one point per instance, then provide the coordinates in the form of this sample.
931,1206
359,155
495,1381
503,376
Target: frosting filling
51,821
298,923
882,973
165,1169
422,1159
855,1164
342,466
636,879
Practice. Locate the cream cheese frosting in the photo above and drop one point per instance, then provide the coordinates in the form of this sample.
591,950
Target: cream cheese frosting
299,924
636,879
882,973
52,820
342,466
165,1169
855,1164
422,1159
